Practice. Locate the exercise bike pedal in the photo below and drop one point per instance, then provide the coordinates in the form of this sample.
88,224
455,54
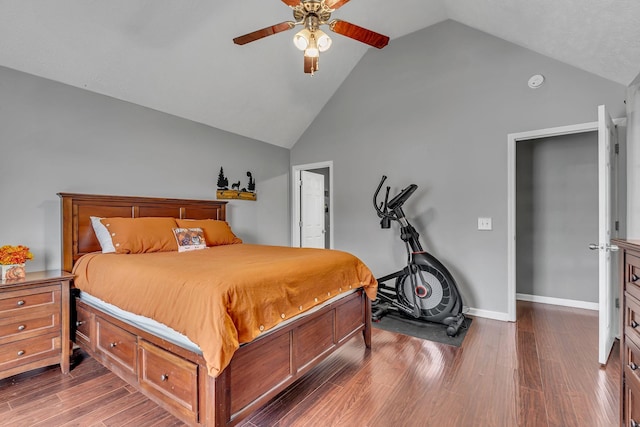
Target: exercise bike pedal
454,323
379,311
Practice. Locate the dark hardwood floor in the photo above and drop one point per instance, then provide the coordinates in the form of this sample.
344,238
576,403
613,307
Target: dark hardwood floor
540,371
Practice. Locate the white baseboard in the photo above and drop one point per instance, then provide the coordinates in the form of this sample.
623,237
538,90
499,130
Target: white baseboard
559,301
498,315
495,315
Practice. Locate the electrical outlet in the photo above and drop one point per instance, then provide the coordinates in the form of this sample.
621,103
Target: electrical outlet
484,224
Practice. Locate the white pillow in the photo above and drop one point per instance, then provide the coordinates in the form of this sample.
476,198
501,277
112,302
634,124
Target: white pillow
103,235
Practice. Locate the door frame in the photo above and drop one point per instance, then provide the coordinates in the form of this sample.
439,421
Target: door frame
512,139
295,199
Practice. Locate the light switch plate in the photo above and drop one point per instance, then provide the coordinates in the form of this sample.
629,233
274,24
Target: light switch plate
484,223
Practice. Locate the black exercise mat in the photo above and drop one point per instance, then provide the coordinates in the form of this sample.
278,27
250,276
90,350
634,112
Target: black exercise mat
428,331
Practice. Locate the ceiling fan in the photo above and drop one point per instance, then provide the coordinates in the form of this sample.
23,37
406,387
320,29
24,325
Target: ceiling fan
311,14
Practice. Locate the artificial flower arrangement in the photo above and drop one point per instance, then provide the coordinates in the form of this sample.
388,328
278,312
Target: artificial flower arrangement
12,259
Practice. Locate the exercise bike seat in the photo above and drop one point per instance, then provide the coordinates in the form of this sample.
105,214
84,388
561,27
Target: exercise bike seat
402,197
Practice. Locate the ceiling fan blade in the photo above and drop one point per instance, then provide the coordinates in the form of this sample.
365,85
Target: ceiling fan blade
292,3
334,4
269,31
358,33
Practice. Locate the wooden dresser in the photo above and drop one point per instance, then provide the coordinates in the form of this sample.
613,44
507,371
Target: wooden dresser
34,322
630,333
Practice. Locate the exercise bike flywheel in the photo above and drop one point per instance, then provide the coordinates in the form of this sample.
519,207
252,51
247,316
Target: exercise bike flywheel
432,292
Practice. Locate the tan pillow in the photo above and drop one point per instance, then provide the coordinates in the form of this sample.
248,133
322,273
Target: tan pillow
141,235
216,232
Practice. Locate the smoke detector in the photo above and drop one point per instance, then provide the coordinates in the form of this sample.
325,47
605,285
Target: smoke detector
536,81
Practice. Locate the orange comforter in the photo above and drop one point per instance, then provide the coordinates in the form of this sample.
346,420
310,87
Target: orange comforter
223,296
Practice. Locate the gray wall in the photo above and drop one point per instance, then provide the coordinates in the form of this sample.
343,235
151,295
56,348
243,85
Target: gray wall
557,217
435,108
633,159
56,138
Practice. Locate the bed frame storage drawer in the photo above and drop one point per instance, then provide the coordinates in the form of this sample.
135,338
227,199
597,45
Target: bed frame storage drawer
116,347
170,378
157,368
83,325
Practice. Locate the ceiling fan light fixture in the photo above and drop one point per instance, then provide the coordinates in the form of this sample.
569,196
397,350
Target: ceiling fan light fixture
301,39
312,51
324,41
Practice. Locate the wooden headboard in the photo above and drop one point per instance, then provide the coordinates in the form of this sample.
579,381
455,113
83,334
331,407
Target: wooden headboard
78,237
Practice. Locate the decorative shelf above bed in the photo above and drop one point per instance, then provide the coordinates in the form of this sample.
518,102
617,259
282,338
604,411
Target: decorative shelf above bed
235,194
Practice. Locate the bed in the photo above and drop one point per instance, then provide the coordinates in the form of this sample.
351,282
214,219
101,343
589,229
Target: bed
176,374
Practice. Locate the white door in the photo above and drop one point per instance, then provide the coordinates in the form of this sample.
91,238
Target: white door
607,138
311,210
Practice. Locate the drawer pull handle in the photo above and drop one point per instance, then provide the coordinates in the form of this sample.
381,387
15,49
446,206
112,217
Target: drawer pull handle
21,328
79,323
633,366
20,303
164,377
634,324
113,344
634,278
21,353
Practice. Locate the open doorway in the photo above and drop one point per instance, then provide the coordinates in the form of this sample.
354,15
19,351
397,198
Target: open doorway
557,219
524,138
608,206
312,205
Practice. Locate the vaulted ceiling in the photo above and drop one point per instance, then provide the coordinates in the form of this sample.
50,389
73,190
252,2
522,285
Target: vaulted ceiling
177,56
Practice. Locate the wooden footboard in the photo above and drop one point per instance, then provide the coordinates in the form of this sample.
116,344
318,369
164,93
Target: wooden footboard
177,379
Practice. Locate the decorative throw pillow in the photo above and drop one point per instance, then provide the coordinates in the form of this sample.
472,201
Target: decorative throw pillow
189,239
104,238
216,233
141,235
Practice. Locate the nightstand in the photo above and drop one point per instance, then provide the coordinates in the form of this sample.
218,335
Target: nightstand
34,322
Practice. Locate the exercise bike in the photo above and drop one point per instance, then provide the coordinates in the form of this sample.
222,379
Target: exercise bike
424,289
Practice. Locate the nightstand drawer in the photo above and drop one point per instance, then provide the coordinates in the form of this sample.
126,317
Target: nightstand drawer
23,327
118,345
24,351
13,303
169,377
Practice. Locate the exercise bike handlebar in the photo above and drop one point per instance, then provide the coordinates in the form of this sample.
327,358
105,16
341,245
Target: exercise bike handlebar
381,213
402,197
395,203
